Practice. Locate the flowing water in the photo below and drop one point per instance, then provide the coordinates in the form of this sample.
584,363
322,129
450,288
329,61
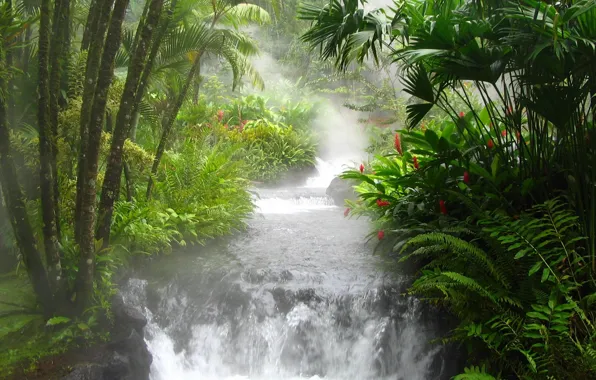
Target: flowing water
299,295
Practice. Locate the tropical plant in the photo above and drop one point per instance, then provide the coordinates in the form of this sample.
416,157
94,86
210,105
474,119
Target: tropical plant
522,59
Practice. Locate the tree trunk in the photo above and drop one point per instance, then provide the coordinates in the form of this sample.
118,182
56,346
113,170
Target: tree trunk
46,155
27,49
15,205
84,280
128,180
169,120
109,122
66,50
111,185
163,28
10,102
91,24
91,72
57,58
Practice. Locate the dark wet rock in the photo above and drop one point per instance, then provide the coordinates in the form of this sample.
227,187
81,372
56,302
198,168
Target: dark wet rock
234,300
86,372
283,299
339,190
307,296
126,356
117,367
286,276
127,315
137,355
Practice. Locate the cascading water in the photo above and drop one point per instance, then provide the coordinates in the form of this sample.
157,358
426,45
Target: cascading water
297,296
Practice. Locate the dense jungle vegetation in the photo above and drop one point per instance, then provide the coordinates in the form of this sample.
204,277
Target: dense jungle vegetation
130,128
488,192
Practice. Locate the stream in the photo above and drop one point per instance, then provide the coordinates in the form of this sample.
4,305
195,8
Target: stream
298,295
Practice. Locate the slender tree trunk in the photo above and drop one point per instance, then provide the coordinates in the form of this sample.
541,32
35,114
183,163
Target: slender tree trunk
66,50
15,205
57,60
84,280
27,49
91,72
111,185
169,120
46,155
10,103
163,28
127,174
128,181
91,24
140,27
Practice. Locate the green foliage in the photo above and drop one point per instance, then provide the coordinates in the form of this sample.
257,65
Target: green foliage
474,373
272,150
262,136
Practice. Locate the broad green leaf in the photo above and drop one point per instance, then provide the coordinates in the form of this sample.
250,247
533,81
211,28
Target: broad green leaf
57,321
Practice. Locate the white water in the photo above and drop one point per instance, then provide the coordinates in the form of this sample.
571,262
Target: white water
299,296
328,170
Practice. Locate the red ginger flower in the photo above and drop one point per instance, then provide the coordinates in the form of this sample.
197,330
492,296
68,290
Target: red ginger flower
220,115
416,164
504,133
397,144
443,207
466,177
347,212
382,203
381,235
361,168
462,114
490,144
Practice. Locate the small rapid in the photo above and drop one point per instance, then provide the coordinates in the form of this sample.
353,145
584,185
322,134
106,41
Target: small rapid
298,295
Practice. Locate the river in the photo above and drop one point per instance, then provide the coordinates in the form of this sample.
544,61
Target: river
298,295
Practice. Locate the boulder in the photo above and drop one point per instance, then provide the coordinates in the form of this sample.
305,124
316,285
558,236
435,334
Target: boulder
340,189
131,358
127,315
86,372
126,356
117,367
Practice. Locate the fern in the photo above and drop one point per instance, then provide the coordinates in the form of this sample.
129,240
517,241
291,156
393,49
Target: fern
474,373
459,247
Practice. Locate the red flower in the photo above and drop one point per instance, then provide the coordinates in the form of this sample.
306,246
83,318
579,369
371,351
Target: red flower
490,144
462,114
347,212
466,177
361,168
220,115
443,207
504,133
381,235
518,135
416,164
397,144
382,203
